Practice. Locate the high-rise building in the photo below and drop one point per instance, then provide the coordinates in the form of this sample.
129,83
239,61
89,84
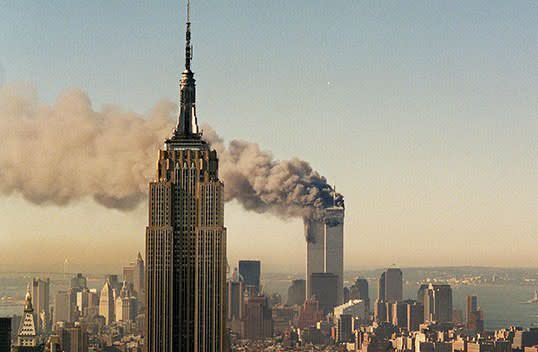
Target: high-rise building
438,303
235,296
334,247
296,292
73,339
27,337
421,291
133,274
87,299
472,305
324,286
139,279
125,308
186,237
380,311
415,315
250,271
359,290
41,302
65,306
399,314
114,283
393,285
79,282
128,274
5,334
476,321
381,288
344,328
325,248
106,303
257,322
475,317
310,314
355,308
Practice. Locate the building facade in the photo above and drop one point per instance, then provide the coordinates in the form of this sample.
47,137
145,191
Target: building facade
41,302
5,334
325,248
438,304
250,271
106,303
393,285
186,238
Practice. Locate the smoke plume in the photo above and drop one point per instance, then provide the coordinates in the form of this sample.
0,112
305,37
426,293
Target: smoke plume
68,151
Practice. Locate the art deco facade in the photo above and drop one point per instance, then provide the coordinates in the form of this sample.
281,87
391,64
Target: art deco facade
186,239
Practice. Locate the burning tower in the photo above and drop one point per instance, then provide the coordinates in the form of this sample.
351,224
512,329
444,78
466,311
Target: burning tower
325,248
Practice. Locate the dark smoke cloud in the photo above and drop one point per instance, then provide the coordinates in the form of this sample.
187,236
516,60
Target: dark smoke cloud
68,151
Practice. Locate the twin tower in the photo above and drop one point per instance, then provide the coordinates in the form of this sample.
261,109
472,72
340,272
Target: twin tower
325,257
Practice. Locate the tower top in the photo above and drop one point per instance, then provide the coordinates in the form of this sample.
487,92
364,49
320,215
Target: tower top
28,300
187,130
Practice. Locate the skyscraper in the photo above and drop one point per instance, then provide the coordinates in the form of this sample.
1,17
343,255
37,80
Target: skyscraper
393,285
5,334
139,281
297,292
27,337
106,303
325,248
420,293
415,315
125,305
134,275
250,270
86,299
235,300
359,290
475,317
73,339
438,303
79,282
65,306
186,237
381,288
257,321
325,287
41,302
472,305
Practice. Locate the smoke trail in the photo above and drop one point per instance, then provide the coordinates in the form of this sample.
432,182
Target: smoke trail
66,152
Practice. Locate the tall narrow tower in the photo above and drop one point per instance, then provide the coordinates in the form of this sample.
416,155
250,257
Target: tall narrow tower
325,249
186,237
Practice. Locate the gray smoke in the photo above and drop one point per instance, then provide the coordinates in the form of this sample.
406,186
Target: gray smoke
65,152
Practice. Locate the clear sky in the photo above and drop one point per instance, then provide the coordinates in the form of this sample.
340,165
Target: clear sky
423,113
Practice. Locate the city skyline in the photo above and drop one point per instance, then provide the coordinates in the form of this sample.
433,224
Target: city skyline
443,152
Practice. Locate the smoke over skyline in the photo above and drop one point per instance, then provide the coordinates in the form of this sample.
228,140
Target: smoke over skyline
65,152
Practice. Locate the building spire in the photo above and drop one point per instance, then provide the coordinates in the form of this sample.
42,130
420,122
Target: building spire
188,46
187,125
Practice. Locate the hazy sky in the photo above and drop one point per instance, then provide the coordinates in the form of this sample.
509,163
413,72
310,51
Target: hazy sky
423,113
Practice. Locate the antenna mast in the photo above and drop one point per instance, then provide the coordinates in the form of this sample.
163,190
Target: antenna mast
188,46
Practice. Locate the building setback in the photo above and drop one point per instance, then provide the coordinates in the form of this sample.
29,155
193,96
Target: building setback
186,237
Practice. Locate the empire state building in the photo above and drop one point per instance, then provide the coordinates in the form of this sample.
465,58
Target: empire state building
186,237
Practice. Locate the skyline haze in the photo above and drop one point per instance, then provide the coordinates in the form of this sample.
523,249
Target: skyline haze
424,116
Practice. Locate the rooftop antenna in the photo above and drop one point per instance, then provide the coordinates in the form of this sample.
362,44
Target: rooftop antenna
188,46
